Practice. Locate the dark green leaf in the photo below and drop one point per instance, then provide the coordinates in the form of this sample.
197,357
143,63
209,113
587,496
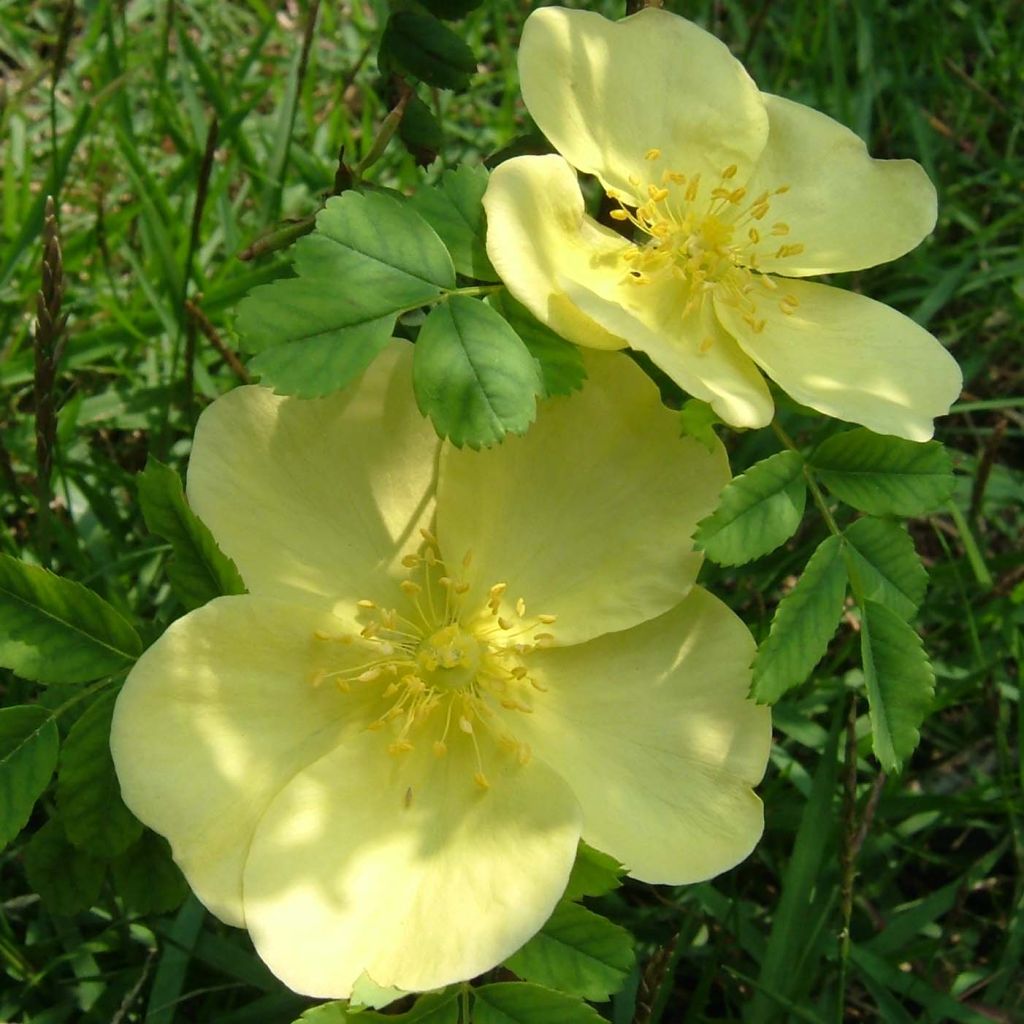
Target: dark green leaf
53,630
473,376
67,879
421,132
428,50
28,755
803,624
757,511
593,874
199,571
453,209
147,879
369,258
561,362
578,952
884,566
884,475
519,1002
899,681
88,795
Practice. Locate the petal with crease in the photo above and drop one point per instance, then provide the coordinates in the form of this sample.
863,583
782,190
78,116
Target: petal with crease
309,496
846,209
405,868
850,357
213,720
652,731
607,92
589,515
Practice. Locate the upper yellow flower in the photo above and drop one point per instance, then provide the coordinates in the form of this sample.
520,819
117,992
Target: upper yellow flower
449,667
733,196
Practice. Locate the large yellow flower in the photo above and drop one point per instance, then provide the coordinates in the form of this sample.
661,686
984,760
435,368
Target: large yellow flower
450,666
733,195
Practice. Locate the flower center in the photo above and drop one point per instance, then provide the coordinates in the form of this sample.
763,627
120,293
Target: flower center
706,239
440,670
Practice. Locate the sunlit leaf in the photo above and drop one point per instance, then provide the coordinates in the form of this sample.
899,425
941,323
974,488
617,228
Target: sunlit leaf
593,874
519,1002
757,511
884,566
28,756
53,630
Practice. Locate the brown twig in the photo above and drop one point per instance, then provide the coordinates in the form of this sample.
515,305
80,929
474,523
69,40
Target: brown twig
199,318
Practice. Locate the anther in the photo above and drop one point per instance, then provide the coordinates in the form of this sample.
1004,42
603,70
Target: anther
411,561
366,603
619,215
481,780
730,172
656,194
780,228
466,725
440,748
652,154
520,607
547,619
410,588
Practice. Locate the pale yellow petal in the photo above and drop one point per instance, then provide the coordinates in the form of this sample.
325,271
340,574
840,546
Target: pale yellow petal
846,210
688,344
589,515
214,718
606,93
316,499
405,868
652,730
848,356
537,229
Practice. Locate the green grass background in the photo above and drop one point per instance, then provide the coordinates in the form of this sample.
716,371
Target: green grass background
937,921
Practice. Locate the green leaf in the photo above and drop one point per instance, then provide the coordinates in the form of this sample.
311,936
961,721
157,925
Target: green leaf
804,622
366,992
53,630
67,879
431,1008
899,681
428,50
884,475
88,795
884,566
453,208
472,374
420,131
593,874
519,1002
199,571
561,362
757,511
578,952
147,879
370,258
28,755
697,420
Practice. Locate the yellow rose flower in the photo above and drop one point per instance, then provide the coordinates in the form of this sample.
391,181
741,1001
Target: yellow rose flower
733,195
449,667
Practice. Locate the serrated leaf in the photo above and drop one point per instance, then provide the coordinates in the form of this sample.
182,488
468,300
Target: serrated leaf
472,374
593,874
89,801
883,565
28,756
453,208
67,880
561,362
803,625
428,50
367,993
757,511
698,420
431,1008
578,952
199,571
519,1002
147,879
369,258
899,681
884,475
53,630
